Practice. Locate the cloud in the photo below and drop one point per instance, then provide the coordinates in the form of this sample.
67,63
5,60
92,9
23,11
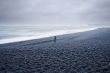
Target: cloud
98,11
55,11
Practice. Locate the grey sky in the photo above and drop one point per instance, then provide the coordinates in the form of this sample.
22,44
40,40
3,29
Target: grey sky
69,12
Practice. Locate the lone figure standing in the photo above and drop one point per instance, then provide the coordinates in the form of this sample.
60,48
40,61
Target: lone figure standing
55,39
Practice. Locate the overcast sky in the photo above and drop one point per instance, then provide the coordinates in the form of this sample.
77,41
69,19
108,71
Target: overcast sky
63,12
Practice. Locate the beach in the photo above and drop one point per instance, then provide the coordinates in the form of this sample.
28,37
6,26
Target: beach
85,52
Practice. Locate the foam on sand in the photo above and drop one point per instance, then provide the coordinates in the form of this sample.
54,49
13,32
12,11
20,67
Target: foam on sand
42,35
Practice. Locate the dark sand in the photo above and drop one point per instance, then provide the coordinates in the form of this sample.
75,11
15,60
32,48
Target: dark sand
87,52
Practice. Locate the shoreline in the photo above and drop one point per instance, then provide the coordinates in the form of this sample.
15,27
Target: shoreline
26,38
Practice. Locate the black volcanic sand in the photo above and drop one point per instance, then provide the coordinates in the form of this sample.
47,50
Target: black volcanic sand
65,56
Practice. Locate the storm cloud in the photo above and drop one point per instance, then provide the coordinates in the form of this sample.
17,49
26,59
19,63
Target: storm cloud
69,12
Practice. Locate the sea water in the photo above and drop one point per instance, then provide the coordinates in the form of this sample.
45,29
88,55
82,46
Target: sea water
15,33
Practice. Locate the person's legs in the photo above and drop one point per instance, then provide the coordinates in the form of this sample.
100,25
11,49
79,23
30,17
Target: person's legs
54,38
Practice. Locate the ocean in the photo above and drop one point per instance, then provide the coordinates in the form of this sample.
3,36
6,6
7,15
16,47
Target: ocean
16,33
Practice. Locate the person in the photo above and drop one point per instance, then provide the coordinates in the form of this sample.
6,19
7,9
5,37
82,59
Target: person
55,38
